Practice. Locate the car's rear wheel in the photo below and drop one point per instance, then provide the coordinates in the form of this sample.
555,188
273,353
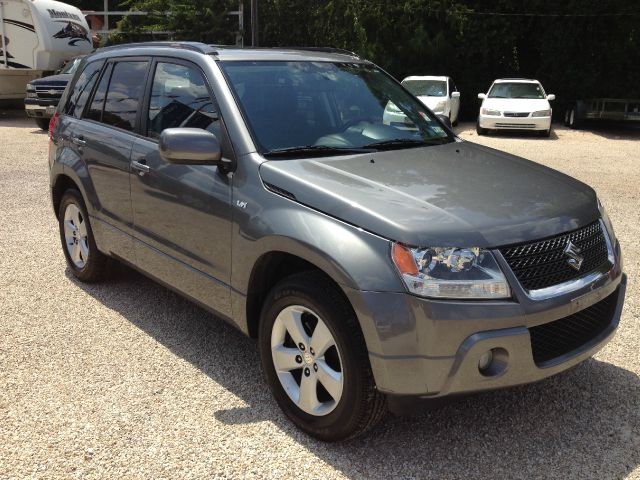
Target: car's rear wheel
315,359
84,259
43,123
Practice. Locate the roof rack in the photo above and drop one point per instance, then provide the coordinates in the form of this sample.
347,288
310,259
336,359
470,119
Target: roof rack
324,49
193,46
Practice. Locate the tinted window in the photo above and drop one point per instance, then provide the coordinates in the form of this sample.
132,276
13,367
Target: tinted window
82,89
180,98
123,97
97,104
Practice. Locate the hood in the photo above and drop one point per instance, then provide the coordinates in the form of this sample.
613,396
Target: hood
516,104
459,194
58,80
431,102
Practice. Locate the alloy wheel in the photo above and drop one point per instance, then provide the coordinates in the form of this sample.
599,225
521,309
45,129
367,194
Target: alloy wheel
75,235
307,360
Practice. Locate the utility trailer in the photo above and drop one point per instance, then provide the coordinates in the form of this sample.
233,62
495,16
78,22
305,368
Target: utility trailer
36,38
619,110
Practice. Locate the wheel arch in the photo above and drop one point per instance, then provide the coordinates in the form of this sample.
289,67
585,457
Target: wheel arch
61,184
269,269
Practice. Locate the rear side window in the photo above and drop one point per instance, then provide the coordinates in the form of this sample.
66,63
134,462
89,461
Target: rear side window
124,94
180,98
117,98
82,89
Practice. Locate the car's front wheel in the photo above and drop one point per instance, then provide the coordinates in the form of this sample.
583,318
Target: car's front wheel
315,359
84,259
480,130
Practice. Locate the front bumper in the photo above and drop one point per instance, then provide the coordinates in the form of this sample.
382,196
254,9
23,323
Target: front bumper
431,348
39,108
492,122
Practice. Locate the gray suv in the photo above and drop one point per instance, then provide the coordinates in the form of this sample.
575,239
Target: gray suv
375,263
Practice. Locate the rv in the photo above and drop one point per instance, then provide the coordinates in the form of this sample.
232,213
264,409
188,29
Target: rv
36,38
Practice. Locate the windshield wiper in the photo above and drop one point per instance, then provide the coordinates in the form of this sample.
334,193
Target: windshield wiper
315,150
406,143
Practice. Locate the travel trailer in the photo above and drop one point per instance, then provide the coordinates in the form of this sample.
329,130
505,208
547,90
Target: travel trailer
36,38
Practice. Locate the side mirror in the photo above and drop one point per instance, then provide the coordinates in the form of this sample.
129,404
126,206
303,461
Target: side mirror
455,94
446,120
482,96
551,96
190,146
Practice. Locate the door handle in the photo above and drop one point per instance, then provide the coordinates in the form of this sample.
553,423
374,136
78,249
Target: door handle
141,166
80,141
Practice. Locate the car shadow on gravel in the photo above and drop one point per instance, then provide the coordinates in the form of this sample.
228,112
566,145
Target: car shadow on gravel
584,423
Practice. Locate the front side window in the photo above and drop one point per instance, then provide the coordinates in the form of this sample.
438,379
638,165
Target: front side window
426,88
180,98
328,105
82,89
517,90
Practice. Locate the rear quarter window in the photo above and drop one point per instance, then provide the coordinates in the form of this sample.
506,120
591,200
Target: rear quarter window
82,89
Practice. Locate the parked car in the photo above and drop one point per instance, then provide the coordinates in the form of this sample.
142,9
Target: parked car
373,263
515,104
44,93
438,93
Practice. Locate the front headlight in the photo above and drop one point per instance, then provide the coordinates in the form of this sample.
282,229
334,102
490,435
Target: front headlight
448,272
488,111
541,113
31,91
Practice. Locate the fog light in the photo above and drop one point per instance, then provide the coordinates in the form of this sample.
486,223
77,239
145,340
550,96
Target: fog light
485,360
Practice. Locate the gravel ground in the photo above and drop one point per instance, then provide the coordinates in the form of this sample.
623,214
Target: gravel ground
126,379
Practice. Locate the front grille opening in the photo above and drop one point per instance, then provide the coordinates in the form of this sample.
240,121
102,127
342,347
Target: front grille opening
554,339
543,263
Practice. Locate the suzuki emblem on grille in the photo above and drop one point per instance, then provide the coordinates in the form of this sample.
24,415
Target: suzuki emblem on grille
574,259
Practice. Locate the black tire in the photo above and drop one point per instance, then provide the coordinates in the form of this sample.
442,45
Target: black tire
573,118
545,133
97,266
360,406
455,124
43,123
481,131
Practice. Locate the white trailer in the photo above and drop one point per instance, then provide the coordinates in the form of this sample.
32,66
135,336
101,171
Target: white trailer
37,37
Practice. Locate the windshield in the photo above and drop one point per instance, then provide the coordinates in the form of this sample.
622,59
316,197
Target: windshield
426,88
516,90
328,107
71,66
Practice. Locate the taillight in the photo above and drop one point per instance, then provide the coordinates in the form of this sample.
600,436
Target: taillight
52,124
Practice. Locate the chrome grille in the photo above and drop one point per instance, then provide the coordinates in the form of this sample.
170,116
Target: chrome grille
49,91
543,263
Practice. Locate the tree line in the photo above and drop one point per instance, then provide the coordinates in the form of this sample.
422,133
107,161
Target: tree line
576,48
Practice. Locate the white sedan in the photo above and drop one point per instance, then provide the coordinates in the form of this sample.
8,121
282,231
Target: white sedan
438,94
515,104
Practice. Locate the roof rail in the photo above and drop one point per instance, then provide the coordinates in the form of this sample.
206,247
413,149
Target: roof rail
323,49
193,46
